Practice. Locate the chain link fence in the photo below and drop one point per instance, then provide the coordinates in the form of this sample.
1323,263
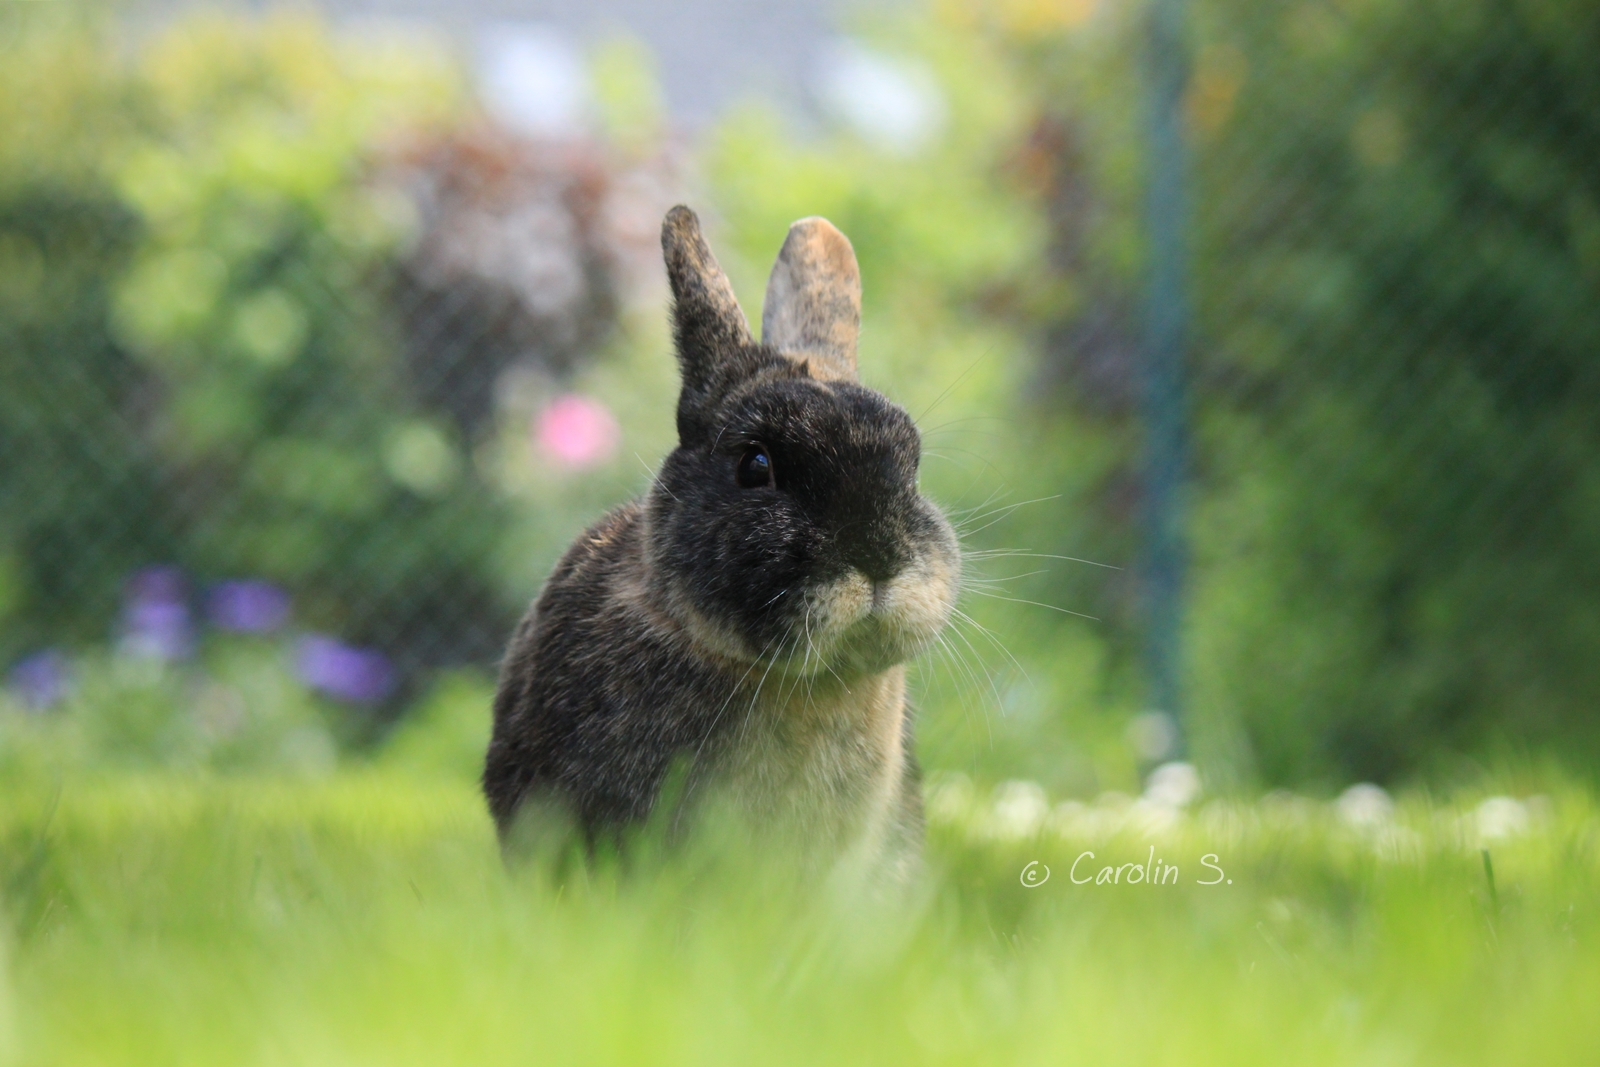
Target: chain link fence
1391,376
264,362
274,328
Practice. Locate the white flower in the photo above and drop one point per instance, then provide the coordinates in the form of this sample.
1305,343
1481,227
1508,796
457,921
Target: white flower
1365,804
1173,785
1149,817
1500,817
1019,810
949,798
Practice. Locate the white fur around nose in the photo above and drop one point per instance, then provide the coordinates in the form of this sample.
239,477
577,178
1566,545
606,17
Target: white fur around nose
914,604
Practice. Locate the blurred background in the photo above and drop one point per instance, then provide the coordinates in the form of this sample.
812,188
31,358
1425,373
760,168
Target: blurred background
1254,343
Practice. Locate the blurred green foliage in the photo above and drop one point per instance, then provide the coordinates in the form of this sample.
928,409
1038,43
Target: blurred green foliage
194,338
242,710
1393,383
1398,396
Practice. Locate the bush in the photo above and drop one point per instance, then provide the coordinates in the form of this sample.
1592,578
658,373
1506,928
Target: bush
213,382
254,342
1399,274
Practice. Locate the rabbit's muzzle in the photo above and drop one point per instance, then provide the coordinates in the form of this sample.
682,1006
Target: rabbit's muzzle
868,620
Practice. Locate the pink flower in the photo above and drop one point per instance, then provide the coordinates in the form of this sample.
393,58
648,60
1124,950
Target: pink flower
577,432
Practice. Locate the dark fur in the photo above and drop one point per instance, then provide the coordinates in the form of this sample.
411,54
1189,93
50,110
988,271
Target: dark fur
605,683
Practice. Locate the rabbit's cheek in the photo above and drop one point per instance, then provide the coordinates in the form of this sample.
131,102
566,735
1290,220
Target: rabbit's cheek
715,634
919,600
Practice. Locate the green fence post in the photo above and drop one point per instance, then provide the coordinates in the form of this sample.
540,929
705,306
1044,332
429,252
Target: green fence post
1166,333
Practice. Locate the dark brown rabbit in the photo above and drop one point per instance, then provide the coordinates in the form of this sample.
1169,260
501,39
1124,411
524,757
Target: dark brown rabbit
750,618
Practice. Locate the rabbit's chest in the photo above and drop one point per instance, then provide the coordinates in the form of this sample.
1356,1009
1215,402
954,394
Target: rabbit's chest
830,760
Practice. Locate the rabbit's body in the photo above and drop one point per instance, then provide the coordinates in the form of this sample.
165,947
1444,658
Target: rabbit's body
751,617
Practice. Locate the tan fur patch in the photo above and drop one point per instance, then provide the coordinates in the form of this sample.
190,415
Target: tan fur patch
912,607
841,603
817,749
920,600
813,304
648,587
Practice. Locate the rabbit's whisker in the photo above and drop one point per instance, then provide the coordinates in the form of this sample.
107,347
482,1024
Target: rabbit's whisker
754,697
655,478
824,661
971,687
1006,553
947,389
940,453
805,662
1038,604
968,418
997,515
733,692
972,579
967,512
994,640
969,516
998,701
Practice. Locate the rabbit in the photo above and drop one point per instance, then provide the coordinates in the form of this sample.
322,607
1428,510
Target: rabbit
750,619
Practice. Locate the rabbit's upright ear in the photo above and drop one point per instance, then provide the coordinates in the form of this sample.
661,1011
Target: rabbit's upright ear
712,336
813,308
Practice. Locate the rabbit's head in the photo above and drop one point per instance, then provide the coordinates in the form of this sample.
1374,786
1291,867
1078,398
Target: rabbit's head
787,526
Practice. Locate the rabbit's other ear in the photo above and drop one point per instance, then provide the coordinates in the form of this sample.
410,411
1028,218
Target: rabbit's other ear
713,339
813,308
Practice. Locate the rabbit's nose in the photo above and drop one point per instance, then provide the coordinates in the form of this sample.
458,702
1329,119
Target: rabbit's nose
872,546
879,563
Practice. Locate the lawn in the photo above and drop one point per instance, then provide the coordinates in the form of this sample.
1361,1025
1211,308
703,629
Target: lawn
366,917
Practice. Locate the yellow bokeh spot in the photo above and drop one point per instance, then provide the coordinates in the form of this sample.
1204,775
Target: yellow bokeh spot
1045,16
1218,76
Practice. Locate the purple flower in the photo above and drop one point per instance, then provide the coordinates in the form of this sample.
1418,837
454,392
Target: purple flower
248,606
358,675
155,616
40,680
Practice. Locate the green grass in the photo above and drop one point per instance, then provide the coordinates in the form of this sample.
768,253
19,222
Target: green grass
367,919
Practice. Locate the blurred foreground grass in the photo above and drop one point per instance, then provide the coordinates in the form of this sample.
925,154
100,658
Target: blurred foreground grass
366,918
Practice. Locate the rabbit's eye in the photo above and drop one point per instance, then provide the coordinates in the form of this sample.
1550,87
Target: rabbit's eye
755,468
